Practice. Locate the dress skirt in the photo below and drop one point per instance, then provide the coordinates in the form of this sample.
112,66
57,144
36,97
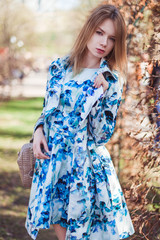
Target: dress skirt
77,187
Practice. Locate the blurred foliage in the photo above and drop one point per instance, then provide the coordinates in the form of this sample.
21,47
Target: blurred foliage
18,21
17,26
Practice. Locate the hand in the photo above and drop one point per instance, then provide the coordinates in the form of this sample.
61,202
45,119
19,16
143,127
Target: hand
39,141
100,80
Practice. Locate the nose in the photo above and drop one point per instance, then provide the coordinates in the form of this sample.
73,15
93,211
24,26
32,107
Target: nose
104,41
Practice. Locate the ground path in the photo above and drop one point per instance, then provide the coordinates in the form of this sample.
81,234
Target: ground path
32,85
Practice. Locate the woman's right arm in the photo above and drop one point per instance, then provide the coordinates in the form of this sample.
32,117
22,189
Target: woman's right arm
50,102
39,140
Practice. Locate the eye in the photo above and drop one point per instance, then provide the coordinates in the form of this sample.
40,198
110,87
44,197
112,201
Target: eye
112,39
99,33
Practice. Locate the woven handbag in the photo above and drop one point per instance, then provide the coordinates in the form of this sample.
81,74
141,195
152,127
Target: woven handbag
26,162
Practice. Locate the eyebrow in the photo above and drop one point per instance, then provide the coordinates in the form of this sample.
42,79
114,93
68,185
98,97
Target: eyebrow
104,32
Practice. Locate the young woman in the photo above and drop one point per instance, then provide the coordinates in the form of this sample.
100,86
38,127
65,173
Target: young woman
75,187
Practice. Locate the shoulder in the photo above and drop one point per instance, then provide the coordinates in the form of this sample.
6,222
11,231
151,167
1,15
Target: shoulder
55,66
60,64
57,70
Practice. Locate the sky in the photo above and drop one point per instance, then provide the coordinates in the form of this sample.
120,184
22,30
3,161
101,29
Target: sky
50,5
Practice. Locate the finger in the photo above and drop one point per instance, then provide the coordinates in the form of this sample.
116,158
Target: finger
96,82
99,78
96,79
39,154
45,146
96,86
42,156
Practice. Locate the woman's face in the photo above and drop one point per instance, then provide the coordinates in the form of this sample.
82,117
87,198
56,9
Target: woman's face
102,41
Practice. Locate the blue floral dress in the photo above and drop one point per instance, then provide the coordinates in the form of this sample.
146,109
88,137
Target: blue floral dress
78,187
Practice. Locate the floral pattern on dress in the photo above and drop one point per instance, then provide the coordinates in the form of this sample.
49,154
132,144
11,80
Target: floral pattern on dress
78,187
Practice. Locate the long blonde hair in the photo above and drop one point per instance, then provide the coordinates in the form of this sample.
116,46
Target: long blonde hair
117,58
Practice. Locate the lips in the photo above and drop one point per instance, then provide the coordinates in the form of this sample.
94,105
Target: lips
101,51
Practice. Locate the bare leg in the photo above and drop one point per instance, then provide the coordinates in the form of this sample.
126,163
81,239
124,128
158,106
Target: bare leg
60,231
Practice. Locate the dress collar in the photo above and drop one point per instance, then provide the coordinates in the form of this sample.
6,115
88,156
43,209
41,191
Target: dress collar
103,66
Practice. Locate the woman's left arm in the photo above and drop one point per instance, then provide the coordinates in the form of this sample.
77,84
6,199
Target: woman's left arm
102,118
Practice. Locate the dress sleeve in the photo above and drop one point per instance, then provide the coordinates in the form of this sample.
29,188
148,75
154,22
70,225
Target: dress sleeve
40,120
102,117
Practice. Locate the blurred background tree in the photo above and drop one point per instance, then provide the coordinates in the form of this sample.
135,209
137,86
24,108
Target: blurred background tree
17,27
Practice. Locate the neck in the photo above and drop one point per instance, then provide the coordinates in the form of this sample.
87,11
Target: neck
90,62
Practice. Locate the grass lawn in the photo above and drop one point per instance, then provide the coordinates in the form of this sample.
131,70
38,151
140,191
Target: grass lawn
17,119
